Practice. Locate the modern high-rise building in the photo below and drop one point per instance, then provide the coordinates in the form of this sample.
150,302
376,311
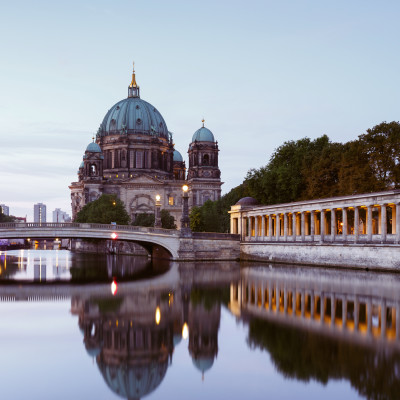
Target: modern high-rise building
60,216
39,212
4,209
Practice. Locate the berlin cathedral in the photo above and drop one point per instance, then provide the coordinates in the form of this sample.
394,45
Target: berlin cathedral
133,157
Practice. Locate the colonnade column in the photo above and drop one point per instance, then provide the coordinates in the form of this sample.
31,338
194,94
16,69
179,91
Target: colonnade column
263,226
285,225
369,222
278,226
303,226
294,226
398,224
270,226
383,223
256,227
312,229
344,228
356,223
333,224
322,225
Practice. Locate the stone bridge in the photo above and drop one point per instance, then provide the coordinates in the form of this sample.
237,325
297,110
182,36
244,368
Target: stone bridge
163,243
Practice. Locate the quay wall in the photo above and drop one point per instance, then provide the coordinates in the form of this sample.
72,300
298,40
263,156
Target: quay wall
371,256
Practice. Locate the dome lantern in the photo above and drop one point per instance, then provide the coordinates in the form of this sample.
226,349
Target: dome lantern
133,89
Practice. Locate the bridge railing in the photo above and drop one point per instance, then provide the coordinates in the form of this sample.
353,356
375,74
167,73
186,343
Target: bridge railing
215,236
76,225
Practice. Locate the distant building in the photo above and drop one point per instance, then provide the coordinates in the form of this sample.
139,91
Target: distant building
39,212
5,209
60,216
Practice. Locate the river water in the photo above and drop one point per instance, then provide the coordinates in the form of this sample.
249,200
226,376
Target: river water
79,326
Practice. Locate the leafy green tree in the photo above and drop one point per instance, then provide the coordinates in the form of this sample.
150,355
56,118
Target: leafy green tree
6,218
144,220
195,219
167,220
106,209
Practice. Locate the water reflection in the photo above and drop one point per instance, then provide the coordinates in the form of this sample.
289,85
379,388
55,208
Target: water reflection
313,324
42,266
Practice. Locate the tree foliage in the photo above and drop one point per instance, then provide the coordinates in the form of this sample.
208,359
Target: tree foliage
6,218
167,220
106,209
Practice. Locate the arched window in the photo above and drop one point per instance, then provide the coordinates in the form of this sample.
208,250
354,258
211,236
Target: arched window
93,170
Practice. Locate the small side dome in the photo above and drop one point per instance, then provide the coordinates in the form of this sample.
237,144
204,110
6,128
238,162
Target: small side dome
247,201
203,364
82,165
203,135
93,148
178,156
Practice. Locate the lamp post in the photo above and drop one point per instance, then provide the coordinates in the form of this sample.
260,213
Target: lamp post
185,222
157,222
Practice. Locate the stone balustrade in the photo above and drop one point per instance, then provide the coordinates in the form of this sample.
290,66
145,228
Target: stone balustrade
360,218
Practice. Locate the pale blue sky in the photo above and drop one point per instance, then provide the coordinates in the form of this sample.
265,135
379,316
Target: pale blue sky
260,72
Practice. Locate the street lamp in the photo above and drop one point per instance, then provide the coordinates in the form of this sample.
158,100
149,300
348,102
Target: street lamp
185,222
157,222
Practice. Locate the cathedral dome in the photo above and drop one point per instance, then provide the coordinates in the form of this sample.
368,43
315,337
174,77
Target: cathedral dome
178,156
203,135
133,116
93,148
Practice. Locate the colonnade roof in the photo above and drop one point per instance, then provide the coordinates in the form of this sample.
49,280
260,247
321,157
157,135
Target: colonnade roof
362,199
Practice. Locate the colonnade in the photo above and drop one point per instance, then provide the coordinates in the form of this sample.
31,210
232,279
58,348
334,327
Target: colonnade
360,218
365,315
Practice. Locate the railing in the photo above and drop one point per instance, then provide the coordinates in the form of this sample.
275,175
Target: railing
215,235
86,226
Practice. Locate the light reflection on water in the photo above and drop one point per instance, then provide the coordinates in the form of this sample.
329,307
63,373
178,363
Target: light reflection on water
206,331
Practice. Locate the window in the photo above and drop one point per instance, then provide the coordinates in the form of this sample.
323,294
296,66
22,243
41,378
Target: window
139,159
171,200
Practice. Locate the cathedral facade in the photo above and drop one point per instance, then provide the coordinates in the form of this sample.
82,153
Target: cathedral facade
133,157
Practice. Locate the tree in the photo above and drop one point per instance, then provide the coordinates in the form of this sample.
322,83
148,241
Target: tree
167,220
6,218
108,208
144,220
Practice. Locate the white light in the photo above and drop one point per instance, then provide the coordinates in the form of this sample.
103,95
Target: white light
185,331
185,188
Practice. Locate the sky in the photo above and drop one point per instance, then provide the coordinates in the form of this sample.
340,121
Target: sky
259,72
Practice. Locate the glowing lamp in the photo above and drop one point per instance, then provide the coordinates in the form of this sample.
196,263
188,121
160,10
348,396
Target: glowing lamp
185,188
158,315
185,331
114,236
114,287
158,197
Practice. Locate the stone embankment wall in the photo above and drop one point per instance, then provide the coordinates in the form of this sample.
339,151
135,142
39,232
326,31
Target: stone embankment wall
372,256
107,246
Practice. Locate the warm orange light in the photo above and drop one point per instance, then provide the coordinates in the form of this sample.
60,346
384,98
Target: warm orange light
114,236
114,287
185,331
158,315
158,197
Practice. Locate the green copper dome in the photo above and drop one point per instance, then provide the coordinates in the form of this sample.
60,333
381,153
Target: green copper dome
178,156
203,135
93,148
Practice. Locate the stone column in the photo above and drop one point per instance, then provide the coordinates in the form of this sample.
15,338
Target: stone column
303,302
333,224
369,223
344,231
263,226
303,226
244,228
285,301
356,223
269,297
262,295
383,223
397,321
383,318
322,226
256,227
294,226
344,312
322,307
312,305
278,226
312,229
398,225
369,317
393,219
285,225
